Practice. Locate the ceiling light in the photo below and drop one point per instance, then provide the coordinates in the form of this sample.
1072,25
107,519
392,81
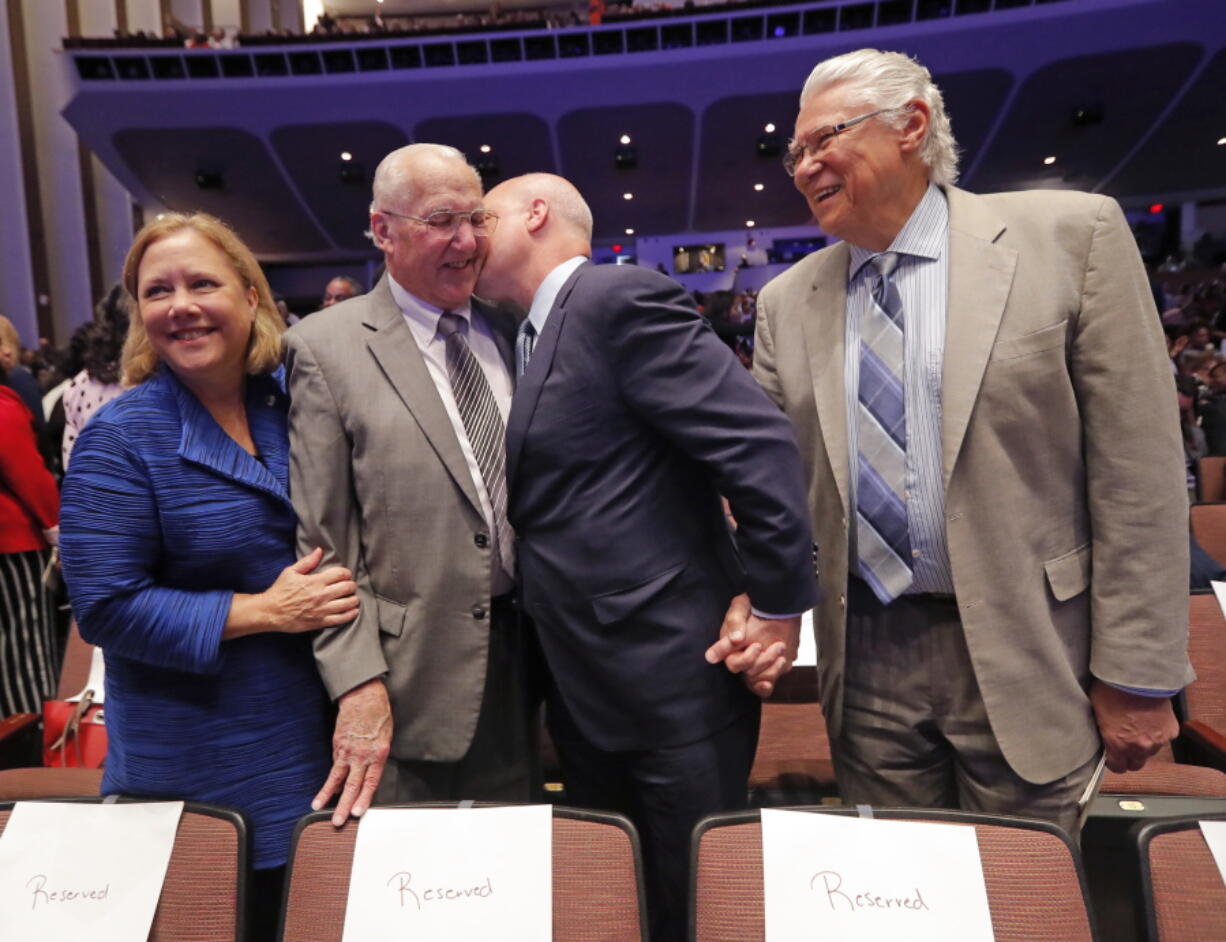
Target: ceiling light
769,129
485,148
345,155
759,187
625,138
1221,141
1048,161
749,223
629,232
627,196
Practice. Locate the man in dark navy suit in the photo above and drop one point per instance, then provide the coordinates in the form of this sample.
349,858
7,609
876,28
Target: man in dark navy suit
629,420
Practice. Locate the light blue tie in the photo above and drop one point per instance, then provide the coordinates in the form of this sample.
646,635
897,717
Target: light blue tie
881,506
525,340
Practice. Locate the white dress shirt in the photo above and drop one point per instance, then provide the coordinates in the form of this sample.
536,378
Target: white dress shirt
422,319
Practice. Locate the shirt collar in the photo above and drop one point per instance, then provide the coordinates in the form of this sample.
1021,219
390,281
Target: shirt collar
419,311
922,236
547,292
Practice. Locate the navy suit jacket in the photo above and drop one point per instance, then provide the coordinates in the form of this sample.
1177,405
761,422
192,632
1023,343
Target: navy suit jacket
630,421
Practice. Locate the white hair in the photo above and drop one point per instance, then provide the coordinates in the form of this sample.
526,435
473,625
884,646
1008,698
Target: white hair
889,80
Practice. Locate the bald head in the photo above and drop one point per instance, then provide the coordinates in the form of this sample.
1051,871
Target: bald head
406,171
543,221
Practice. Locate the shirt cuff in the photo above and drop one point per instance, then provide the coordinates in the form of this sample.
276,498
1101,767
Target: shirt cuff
1144,691
768,615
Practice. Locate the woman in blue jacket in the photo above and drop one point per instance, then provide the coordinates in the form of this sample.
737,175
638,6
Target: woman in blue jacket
178,547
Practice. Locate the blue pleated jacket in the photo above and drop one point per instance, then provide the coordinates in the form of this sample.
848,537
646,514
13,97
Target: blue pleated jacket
164,518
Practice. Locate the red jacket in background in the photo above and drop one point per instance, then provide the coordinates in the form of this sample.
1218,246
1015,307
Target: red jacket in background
29,499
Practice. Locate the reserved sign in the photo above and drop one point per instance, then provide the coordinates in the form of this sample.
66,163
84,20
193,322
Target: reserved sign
84,871
452,874
864,880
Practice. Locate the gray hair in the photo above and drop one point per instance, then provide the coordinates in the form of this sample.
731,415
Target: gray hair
395,174
889,80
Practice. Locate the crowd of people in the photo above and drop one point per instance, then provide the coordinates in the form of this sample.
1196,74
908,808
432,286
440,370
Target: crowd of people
345,563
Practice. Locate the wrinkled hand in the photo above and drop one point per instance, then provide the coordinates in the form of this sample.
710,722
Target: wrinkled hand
302,599
360,747
1132,727
762,649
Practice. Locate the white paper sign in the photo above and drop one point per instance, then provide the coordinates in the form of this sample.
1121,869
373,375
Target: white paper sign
1215,837
71,871
452,875
1219,590
866,880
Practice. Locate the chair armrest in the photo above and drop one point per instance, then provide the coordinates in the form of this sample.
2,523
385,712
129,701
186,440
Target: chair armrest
20,740
1205,744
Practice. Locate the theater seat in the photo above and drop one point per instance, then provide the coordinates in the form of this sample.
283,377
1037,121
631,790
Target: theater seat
1036,887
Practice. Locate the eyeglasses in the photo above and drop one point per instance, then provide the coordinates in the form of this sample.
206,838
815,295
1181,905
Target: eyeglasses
820,139
445,222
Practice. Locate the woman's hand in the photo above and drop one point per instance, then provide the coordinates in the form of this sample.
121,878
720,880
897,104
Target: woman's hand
300,600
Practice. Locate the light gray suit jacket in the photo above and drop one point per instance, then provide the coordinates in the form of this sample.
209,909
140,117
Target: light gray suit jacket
379,481
1066,511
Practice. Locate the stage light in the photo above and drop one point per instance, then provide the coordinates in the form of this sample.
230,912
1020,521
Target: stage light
629,232
345,155
749,224
769,129
759,187
485,148
627,196
624,139
1048,161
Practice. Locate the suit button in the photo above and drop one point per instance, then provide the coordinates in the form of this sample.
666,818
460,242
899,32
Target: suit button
481,540
479,612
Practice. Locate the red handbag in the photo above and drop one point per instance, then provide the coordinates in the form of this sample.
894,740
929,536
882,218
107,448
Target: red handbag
74,734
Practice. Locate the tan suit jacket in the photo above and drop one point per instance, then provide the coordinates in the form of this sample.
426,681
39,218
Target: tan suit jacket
379,481
1066,511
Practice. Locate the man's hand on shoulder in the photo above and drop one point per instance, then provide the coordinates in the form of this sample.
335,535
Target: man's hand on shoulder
360,747
1133,727
761,649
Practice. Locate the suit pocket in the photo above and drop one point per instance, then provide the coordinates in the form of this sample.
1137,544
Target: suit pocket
1069,575
391,616
1034,342
620,604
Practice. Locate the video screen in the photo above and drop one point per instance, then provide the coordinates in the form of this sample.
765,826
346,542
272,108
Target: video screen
689,259
793,250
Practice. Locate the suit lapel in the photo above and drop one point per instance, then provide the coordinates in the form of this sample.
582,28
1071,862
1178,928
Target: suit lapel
205,444
394,348
980,277
523,404
824,326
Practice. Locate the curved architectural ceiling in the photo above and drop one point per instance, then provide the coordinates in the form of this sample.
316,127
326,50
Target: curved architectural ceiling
1126,95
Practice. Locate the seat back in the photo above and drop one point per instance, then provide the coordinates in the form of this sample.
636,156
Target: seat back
1211,479
202,896
792,764
36,783
597,878
1209,528
1205,697
1183,892
1035,883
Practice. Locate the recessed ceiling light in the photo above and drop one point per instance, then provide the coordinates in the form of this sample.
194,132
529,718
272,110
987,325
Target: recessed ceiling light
627,196
485,148
625,138
759,187
769,129
345,155
749,223
1221,141
1049,161
629,232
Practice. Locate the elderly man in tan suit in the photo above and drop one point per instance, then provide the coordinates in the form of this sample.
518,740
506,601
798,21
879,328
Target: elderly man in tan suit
987,416
399,400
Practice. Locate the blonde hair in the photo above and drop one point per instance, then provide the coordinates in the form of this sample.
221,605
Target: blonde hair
9,338
139,361
889,80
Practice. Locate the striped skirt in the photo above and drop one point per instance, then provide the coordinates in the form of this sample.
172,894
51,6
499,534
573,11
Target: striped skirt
29,653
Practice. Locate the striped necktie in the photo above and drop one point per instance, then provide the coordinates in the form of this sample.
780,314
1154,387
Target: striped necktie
881,506
482,424
525,340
